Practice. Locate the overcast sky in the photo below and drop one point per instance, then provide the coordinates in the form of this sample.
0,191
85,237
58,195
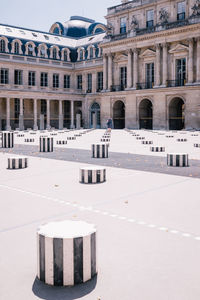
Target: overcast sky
41,14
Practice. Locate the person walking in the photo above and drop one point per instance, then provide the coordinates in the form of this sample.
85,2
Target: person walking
109,124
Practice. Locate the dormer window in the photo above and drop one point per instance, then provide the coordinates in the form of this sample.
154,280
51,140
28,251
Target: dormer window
16,48
81,54
54,53
2,46
150,18
91,53
42,51
30,50
65,56
123,25
181,11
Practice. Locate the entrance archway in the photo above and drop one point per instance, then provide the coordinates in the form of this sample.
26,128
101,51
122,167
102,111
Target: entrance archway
95,115
146,114
119,115
176,114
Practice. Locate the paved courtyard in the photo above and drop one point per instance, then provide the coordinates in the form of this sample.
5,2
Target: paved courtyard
147,215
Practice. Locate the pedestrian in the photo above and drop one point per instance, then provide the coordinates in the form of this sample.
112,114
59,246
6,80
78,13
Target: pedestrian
109,124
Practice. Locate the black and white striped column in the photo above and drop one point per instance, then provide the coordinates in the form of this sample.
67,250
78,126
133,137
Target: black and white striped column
29,140
100,150
140,138
17,163
92,175
177,160
66,253
7,139
147,142
157,149
105,139
181,140
197,145
46,144
61,142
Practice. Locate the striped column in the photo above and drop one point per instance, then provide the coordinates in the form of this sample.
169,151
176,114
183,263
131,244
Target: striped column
140,138
147,142
61,142
100,150
157,149
7,139
66,253
197,145
29,140
92,175
181,140
177,160
46,144
105,140
169,136
17,163
71,138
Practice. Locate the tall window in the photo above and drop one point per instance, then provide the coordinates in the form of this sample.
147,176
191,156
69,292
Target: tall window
123,77
16,48
81,54
31,78
65,55
123,25
66,81
79,82
17,108
89,83
54,53
99,81
91,52
42,51
30,50
56,80
180,72
44,79
181,11
4,79
150,18
149,75
2,46
18,79
43,107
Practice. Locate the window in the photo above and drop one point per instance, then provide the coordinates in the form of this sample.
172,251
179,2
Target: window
43,107
54,53
149,75
99,81
46,37
16,48
17,108
30,50
181,11
91,52
34,34
31,78
18,77
79,82
150,18
180,72
2,46
8,29
44,79
89,83
65,55
123,25
55,80
66,81
22,32
42,51
81,54
123,77
4,79
56,30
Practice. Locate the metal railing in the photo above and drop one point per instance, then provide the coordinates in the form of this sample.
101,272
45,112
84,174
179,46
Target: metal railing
174,83
117,88
144,85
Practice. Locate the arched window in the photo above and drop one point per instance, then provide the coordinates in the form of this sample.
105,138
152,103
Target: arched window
95,115
16,48
81,54
54,53
42,51
91,52
2,46
30,49
56,30
65,55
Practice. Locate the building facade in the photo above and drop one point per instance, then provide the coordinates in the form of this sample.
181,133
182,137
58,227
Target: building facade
142,69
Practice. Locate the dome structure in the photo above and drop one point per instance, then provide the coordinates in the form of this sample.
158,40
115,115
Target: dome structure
77,27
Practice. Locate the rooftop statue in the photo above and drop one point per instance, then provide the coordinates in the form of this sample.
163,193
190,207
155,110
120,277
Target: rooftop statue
163,16
134,24
109,29
196,9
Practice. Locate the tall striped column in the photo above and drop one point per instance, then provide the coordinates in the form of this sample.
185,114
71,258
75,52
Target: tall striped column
46,144
66,253
17,163
100,150
177,160
92,174
7,139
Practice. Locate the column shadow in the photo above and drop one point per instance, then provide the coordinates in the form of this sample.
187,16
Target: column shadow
48,292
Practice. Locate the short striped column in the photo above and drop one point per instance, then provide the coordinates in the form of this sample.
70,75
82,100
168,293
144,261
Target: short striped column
71,138
100,150
29,140
197,145
7,139
140,138
46,144
177,160
61,142
105,140
92,175
181,140
66,253
17,163
157,149
147,142
169,136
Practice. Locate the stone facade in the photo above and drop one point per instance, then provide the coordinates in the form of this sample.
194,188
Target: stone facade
142,69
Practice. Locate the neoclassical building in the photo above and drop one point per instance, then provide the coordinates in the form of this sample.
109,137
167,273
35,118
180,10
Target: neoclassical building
142,68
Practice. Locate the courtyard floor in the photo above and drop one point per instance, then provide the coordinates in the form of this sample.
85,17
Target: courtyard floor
147,215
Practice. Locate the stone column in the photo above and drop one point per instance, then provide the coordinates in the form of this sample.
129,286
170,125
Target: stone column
78,121
110,81
72,115
94,82
165,67
157,83
35,127
198,61
8,127
48,114
105,72
135,68
190,62
21,115
60,115
129,70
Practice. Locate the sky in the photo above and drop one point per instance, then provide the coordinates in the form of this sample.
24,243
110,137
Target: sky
41,14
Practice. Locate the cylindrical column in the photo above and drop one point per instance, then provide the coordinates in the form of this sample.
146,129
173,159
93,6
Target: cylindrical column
158,65
46,144
100,150
165,68
48,114
92,175
35,127
190,62
8,114
129,70
177,160
110,71
198,61
135,68
17,163
105,72
72,114
7,139
21,107
60,115
21,115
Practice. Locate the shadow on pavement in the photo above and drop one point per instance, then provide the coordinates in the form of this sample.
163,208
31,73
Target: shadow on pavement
47,292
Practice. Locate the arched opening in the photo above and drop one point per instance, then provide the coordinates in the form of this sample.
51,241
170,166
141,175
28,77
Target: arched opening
176,114
95,116
146,114
119,115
